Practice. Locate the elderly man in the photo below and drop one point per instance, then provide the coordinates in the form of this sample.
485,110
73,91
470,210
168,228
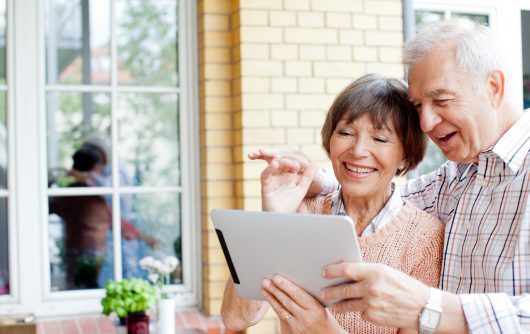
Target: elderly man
457,83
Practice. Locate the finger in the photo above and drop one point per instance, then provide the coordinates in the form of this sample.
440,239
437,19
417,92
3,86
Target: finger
356,271
276,305
282,297
288,164
308,176
350,305
344,291
295,293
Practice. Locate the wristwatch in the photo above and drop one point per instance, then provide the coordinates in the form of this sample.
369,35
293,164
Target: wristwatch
431,314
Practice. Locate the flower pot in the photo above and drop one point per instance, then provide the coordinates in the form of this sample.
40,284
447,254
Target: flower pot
166,316
138,323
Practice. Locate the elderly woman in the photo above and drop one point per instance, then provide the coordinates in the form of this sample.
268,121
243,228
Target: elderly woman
371,134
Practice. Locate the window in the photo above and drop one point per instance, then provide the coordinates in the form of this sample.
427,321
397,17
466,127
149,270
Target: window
115,122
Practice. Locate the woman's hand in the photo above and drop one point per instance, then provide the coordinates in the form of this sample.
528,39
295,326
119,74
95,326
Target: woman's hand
299,312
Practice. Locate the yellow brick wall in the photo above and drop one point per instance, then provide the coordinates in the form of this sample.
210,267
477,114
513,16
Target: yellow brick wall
269,69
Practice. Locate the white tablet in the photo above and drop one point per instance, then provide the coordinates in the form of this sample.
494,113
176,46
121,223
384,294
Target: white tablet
259,245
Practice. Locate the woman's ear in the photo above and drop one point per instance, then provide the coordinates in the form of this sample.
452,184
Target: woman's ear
495,85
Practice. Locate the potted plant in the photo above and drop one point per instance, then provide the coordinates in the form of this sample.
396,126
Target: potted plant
129,299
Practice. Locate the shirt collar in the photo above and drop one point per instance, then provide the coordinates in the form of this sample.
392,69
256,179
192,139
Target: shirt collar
389,211
514,145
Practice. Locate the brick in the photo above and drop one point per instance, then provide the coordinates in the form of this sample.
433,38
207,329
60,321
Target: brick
87,325
383,7
253,204
334,52
260,4
262,101
254,51
312,52
314,152
261,68
217,202
218,188
263,136
338,20
364,53
217,38
311,36
390,23
351,37
364,22
68,326
217,88
217,137
215,22
377,38
298,68
340,6
296,5
217,71
219,171
335,86
282,19
216,154
284,52
218,104
216,54
387,69
218,121
338,69
391,54
252,188
261,35
284,118
213,255
283,85
216,6
305,101
253,18
256,119
255,85
311,19
300,136
311,85
313,118
264,327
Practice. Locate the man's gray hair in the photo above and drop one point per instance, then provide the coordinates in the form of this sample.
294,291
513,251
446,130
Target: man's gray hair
477,52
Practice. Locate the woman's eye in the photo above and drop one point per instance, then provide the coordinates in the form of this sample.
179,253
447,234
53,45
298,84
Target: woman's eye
344,133
381,140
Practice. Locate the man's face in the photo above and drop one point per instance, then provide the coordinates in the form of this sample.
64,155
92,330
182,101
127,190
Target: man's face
457,117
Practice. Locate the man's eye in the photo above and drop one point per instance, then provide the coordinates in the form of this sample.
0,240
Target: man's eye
442,101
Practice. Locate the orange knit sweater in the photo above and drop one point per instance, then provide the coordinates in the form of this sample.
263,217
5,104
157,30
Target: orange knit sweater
411,242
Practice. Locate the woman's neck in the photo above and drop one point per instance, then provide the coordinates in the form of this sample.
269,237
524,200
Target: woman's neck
363,210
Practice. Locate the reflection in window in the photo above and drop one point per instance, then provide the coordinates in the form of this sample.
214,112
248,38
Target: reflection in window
4,251
479,18
149,137
78,42
4,228
424,17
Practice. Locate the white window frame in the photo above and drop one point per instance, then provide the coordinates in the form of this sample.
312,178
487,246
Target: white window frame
27,177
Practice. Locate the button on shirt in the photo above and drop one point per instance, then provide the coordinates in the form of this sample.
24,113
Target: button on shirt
486,211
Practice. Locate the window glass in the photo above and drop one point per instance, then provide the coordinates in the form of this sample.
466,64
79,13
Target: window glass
147,42
148,128
424,17
79,229
3,42
479,18
78,42
4,250
4,229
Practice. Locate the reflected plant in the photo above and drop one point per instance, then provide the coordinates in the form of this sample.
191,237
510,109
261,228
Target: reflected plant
160,272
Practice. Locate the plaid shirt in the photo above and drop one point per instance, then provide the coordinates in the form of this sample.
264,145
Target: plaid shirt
486,209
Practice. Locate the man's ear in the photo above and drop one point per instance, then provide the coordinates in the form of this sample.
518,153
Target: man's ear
495,85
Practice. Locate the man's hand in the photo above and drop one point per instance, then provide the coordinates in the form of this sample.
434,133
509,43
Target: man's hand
384,295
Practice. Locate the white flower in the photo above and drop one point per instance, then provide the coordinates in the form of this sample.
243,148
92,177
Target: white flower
152,277
147,262
172,262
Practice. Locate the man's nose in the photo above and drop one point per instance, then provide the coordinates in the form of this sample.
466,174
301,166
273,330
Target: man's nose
429,118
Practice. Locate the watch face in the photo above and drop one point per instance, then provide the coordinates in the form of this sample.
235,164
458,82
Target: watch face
430,318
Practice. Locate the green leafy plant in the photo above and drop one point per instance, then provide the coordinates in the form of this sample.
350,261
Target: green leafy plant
131,295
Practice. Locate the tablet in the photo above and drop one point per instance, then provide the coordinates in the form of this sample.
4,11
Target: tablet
259,245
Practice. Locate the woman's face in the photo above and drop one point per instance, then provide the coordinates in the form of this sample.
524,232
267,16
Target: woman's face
365,159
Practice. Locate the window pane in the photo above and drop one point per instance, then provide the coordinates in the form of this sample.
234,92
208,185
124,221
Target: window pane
148,131
4,250
3,42
78,42
157,216
433,159
75,119
79,228
3,141
147,42
424,17
479,18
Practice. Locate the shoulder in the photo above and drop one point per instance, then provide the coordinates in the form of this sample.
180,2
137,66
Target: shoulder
421,221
